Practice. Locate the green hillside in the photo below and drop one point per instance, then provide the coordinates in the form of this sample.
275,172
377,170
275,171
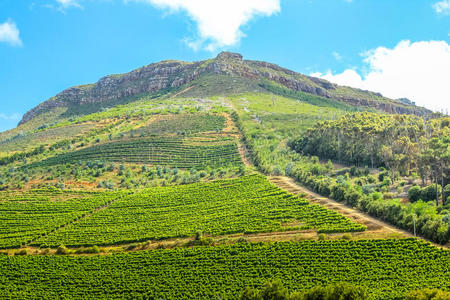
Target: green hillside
203,178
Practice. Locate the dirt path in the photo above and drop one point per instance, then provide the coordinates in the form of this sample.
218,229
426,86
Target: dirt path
183,91
288,184
375,227
231,128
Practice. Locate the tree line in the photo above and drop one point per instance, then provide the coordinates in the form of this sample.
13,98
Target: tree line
404,144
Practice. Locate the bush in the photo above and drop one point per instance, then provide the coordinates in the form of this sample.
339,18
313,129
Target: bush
386,181
429,193
322,237
277,171
371,179
339,291
382,175
414,193
271,290
62,250
21,252
388,195
376,196
428,294
368,188
276,291
347,236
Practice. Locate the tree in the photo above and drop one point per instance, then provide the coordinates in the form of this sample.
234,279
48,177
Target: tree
414,193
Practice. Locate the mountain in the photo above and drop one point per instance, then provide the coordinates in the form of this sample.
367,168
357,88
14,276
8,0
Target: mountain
227,74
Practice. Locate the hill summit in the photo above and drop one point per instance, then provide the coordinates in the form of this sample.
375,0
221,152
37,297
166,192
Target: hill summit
226,74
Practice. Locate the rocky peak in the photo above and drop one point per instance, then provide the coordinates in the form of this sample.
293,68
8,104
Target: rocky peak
173,74
229,56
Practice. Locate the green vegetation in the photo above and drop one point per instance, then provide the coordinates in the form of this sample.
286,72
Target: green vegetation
176,148
388,269
305,97
30,215
267,144
247,204
276,290
182,124
402,143
21,142
167,151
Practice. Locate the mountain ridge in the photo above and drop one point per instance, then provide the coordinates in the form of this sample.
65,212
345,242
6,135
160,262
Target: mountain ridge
172,74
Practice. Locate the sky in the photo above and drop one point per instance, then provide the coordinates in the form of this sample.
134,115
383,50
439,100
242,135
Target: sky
400,48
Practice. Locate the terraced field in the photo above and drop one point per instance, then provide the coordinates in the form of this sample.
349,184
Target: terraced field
182,124
167,151
388,269
247,204
27,216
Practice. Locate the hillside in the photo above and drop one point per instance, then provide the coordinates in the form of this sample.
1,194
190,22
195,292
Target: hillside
227,74
182,180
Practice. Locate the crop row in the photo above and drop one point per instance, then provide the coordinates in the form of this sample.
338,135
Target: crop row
30,215
388,269
172,152
181,123
248,204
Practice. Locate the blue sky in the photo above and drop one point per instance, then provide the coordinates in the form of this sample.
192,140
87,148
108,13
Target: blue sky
400,48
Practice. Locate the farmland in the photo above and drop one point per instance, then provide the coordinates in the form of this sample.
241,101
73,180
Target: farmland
247,204
387,268
167,151
166,195
26,216
182,124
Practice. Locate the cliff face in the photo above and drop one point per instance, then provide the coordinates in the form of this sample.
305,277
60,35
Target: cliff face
172,74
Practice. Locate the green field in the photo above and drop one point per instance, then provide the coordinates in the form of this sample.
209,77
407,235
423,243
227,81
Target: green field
387,268
168,151
181,124
27,216
247,204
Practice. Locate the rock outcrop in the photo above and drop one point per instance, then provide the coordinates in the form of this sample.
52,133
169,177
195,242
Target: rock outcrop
173,74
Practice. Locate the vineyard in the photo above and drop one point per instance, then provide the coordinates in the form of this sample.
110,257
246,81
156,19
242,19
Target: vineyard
27,216
387,268
182,123
167,151
247,204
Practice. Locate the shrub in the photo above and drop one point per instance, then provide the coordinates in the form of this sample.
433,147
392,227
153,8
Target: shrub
277,171
322,237
388,195
62,250
428,294
347,236
339,291
376,196
429,193
381,175
386,181
21,252
371,179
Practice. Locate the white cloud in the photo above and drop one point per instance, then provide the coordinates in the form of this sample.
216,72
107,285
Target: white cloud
11,117
419,71
219,22
9,33
68,3
442,7
337,56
